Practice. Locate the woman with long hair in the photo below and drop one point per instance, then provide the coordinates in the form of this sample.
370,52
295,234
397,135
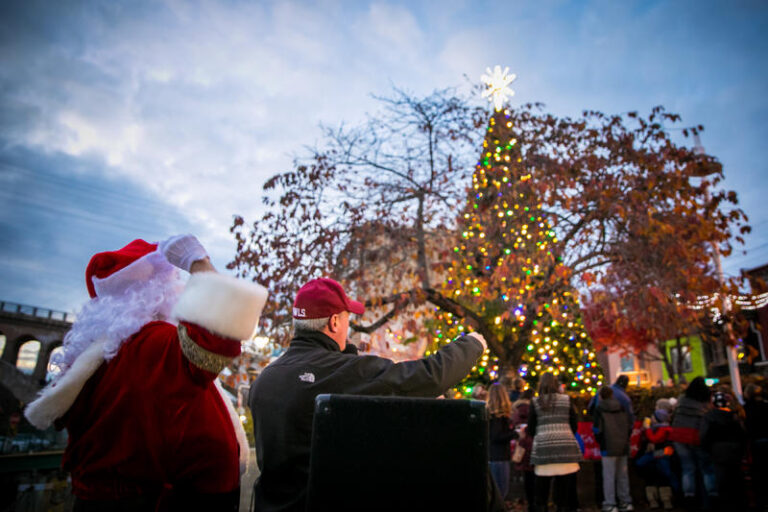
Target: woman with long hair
555,454
499,435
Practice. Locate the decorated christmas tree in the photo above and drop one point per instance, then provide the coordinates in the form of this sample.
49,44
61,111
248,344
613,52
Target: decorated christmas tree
505,268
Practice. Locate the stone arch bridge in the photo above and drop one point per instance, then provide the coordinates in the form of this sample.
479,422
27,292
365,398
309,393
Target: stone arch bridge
20,324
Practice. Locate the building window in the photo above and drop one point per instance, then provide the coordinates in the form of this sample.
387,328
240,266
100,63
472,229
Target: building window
28,357
627,363
686,363
715,353
2,343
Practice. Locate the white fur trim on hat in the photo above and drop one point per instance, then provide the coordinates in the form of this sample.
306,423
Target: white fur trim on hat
116,284
222,304
57,398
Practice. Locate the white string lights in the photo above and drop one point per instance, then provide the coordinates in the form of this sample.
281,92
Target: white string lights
750,302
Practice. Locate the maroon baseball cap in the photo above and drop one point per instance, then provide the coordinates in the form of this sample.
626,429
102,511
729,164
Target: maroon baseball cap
321,298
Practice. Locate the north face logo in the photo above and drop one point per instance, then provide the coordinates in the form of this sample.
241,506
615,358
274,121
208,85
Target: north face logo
307,377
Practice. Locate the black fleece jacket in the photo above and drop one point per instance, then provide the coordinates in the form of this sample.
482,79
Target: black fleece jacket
282,401
723,437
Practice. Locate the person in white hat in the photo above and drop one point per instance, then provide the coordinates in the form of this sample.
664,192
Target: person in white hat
149,428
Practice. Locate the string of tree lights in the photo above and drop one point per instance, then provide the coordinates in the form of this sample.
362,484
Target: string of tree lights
750,302
504,267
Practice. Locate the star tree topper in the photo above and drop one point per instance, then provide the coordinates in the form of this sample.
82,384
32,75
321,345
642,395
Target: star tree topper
498,91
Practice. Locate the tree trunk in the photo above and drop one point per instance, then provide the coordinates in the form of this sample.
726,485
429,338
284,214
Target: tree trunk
422,246
662,347
679,360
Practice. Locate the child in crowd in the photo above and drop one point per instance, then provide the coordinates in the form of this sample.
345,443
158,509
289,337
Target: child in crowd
654,464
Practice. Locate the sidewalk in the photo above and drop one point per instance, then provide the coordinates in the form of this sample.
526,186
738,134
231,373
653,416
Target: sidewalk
246,483
585,492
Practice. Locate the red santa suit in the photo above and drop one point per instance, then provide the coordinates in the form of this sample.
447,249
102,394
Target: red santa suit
151,420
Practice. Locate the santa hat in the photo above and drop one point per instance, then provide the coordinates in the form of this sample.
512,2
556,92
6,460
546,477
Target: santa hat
108,273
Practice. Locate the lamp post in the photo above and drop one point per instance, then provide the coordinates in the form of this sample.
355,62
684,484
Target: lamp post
730,347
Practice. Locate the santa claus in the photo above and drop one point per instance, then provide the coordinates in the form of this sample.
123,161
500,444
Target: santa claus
148,425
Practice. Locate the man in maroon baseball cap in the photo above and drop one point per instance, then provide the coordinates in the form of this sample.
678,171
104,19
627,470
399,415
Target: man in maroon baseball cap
319,361
322,299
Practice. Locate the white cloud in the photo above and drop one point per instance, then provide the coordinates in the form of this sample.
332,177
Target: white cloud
199,102
394,33
115,142
461,50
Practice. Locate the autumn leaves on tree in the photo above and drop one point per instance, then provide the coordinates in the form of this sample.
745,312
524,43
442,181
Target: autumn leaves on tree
603,209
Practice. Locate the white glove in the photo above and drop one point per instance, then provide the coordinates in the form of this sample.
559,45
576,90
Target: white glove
479,337
182,250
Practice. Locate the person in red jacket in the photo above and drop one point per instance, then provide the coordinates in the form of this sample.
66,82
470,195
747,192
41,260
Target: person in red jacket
149,428
655,464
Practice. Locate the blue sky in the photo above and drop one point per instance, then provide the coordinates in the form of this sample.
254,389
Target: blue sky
128,119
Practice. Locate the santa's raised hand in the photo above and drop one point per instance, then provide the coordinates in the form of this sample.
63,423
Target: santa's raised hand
182,251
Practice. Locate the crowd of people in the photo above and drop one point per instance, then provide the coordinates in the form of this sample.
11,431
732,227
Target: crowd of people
695,452
150,428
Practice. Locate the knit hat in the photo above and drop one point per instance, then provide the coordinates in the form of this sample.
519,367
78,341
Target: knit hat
661,415
107,273
321,298
668,404
721,400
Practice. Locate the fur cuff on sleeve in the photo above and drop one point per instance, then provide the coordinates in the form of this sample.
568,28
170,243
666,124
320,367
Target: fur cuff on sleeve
222,304
56,399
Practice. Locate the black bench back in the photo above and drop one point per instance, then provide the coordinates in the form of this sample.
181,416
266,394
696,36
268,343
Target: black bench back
398,454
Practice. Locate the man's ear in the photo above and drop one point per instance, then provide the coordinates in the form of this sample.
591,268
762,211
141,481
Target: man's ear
333,323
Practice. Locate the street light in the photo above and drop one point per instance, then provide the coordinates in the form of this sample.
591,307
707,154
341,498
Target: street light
730,347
